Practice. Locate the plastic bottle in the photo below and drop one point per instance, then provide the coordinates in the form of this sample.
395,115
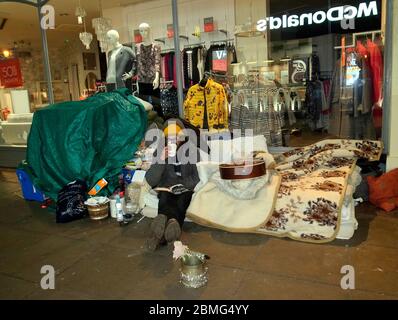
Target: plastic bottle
119,209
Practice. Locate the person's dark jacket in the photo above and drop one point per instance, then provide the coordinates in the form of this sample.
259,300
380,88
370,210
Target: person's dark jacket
164,176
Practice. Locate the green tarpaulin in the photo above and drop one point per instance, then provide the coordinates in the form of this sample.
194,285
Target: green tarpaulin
87,140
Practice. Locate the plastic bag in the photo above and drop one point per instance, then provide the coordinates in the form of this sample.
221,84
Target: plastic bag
70,204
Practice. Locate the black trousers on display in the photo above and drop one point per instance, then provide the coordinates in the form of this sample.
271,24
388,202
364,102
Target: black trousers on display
146,89
174,206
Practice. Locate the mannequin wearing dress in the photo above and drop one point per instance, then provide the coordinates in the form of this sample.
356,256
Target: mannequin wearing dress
148,63
121,63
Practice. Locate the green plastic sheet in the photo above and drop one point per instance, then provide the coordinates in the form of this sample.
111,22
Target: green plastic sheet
86,140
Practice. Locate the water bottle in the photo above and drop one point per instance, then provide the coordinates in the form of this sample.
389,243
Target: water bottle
119,210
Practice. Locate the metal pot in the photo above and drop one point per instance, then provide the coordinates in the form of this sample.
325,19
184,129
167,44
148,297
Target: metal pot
193,272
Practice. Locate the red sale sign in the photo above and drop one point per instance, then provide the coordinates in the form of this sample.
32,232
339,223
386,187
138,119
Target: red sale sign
10,73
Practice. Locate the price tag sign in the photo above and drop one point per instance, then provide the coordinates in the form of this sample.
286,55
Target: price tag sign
10,74
209,24
170,31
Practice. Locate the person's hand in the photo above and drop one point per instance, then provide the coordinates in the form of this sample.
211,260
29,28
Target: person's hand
156,82
126,76
165,154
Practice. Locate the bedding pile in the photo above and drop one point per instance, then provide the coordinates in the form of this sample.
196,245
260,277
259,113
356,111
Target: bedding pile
303,199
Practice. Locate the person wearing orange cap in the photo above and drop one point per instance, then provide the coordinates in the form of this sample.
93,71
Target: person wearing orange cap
175,182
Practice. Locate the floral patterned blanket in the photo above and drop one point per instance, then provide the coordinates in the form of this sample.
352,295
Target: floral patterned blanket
314,182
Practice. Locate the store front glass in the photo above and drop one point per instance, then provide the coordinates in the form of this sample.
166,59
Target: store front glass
321,66
24,87
296,72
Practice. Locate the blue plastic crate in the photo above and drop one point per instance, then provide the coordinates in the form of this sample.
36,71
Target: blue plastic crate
29,191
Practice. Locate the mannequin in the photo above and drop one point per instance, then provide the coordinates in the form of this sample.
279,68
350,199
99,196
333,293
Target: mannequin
121,63
148,63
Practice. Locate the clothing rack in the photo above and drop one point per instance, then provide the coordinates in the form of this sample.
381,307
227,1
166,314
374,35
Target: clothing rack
218,75
167,51
264,110
360,34
222,41
194,45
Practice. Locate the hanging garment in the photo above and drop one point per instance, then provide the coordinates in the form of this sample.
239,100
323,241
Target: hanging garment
314,68
169,101
202,53
258,116
363,95
148,62
377,66
163,67
185,67
207,103
316,104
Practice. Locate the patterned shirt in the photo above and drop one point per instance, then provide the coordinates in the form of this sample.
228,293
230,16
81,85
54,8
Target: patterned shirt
148,62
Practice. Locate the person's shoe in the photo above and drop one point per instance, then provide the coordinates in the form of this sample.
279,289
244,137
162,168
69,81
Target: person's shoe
173,231
152,244
158,227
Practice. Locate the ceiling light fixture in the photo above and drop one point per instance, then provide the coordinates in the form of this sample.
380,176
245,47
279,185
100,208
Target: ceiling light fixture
6,53
85,37
101,26
285,58
80,13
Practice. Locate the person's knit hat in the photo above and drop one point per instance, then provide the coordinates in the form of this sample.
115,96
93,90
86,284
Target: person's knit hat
173,127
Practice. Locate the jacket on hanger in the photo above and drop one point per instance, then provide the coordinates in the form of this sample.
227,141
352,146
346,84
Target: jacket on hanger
209,102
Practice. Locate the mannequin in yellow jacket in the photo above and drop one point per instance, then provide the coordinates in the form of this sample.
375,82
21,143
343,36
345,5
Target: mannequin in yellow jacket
207,107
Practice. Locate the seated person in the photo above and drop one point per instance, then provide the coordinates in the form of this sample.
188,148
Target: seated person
173,204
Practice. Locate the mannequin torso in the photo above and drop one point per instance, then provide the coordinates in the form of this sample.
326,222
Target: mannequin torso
148,58
121,63
111,74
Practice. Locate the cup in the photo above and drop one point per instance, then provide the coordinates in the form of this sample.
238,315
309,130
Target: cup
172,149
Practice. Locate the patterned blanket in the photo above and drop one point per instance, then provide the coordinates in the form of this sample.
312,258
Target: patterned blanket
314,182
304,203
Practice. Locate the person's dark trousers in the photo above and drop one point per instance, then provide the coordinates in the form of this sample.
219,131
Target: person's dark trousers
174,206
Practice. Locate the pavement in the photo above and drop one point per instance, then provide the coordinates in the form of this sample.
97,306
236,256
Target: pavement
100,260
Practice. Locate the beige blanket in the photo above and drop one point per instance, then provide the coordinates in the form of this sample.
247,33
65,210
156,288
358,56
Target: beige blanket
213,208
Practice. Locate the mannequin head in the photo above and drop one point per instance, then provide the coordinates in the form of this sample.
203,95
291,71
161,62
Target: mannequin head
145,30
113,39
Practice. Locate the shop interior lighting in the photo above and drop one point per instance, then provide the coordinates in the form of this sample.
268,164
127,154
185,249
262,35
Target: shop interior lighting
80,13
